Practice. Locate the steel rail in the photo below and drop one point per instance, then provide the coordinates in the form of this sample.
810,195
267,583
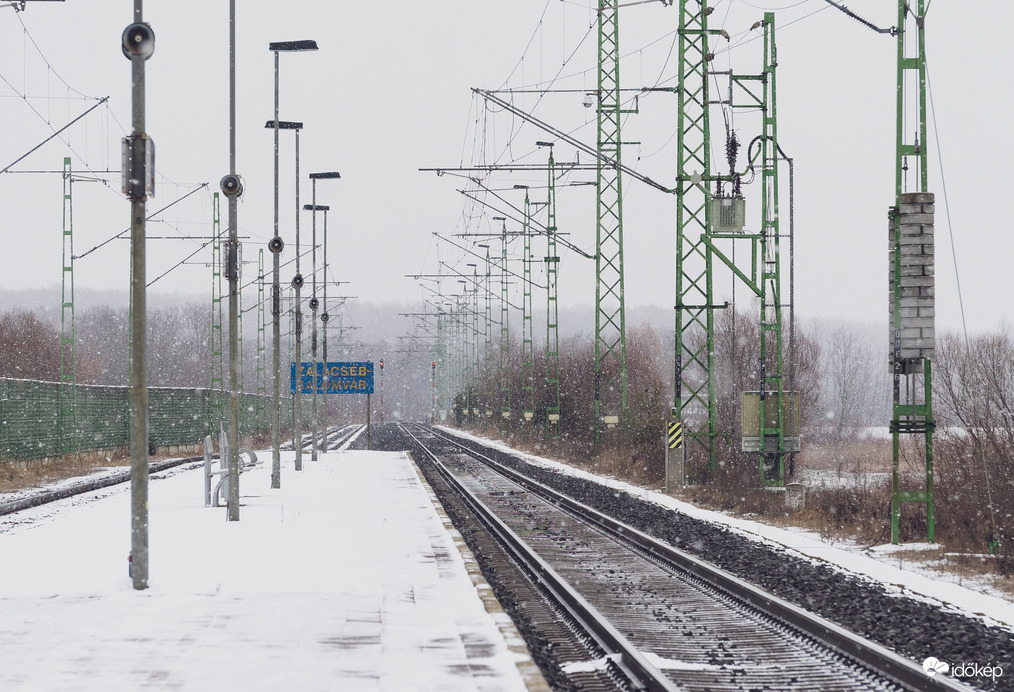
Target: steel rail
881,660
88,486
624,655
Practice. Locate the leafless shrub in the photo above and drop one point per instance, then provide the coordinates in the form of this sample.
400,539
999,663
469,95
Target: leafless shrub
29,347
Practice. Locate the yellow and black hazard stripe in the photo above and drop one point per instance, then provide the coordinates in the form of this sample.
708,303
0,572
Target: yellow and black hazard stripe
676,435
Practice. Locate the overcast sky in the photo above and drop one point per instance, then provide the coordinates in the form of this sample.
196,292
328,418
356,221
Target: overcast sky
389,92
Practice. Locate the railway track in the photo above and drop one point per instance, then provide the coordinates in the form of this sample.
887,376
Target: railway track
336,437
89,485
640,614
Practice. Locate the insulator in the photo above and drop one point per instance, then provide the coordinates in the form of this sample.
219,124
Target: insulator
732,150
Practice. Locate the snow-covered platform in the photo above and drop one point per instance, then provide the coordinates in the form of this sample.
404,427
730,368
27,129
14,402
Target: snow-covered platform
348,578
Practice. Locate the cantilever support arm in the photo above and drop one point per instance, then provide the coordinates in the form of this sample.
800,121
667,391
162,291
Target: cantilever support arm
576,143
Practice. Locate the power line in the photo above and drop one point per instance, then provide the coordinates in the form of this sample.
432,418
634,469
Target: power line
43,56
151,216
947,206
55,134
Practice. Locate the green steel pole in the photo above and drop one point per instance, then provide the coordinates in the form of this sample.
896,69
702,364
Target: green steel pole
67,427
910,416
610,313
527,324
505,375
217,350
488,355
694,366
770,273
262,389
552,311
234,372
138,321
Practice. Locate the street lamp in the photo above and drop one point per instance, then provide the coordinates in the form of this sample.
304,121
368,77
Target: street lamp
324,317
276,245
138,44
327,175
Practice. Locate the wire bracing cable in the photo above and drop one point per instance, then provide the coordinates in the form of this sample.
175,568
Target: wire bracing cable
947,206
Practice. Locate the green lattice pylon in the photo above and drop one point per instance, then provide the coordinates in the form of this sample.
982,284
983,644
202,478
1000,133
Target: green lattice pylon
239,321
910,415
694,395
505,358
67,424
772,462
488,353
217,350
552,260
610,314
440,356
262,382
527,323
473,402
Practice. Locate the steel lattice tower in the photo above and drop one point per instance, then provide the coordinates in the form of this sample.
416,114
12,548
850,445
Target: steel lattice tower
694,396
610,316
912,302
505,359
239,319
68,353
772,465
474,370
527,323
217,350
488,353
262,384
552,310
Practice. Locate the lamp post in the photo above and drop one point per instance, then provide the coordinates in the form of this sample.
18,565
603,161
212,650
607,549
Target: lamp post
324,317
327,175
138,44
232,187
275,245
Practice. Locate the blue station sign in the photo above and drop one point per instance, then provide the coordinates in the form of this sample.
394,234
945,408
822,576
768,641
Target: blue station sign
333,378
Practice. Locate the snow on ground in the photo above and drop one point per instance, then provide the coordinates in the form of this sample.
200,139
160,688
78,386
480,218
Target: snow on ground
33,491
345,579
908,577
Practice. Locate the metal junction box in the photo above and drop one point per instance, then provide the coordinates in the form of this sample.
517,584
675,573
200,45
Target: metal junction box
728,214
751,421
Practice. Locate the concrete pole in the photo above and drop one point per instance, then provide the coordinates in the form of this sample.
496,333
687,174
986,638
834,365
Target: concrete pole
324,317
233,505
299,331
313,314
138,344
276,331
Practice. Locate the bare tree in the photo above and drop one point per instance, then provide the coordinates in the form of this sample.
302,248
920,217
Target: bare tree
851,373
29,348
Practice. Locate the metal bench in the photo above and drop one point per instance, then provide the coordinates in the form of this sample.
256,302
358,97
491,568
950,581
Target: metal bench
213,499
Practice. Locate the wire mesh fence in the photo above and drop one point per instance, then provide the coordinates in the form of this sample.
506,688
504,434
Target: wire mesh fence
47,419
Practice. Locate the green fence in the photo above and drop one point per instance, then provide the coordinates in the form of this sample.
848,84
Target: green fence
46,419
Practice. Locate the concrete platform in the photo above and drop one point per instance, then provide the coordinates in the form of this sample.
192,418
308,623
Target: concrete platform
348,578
